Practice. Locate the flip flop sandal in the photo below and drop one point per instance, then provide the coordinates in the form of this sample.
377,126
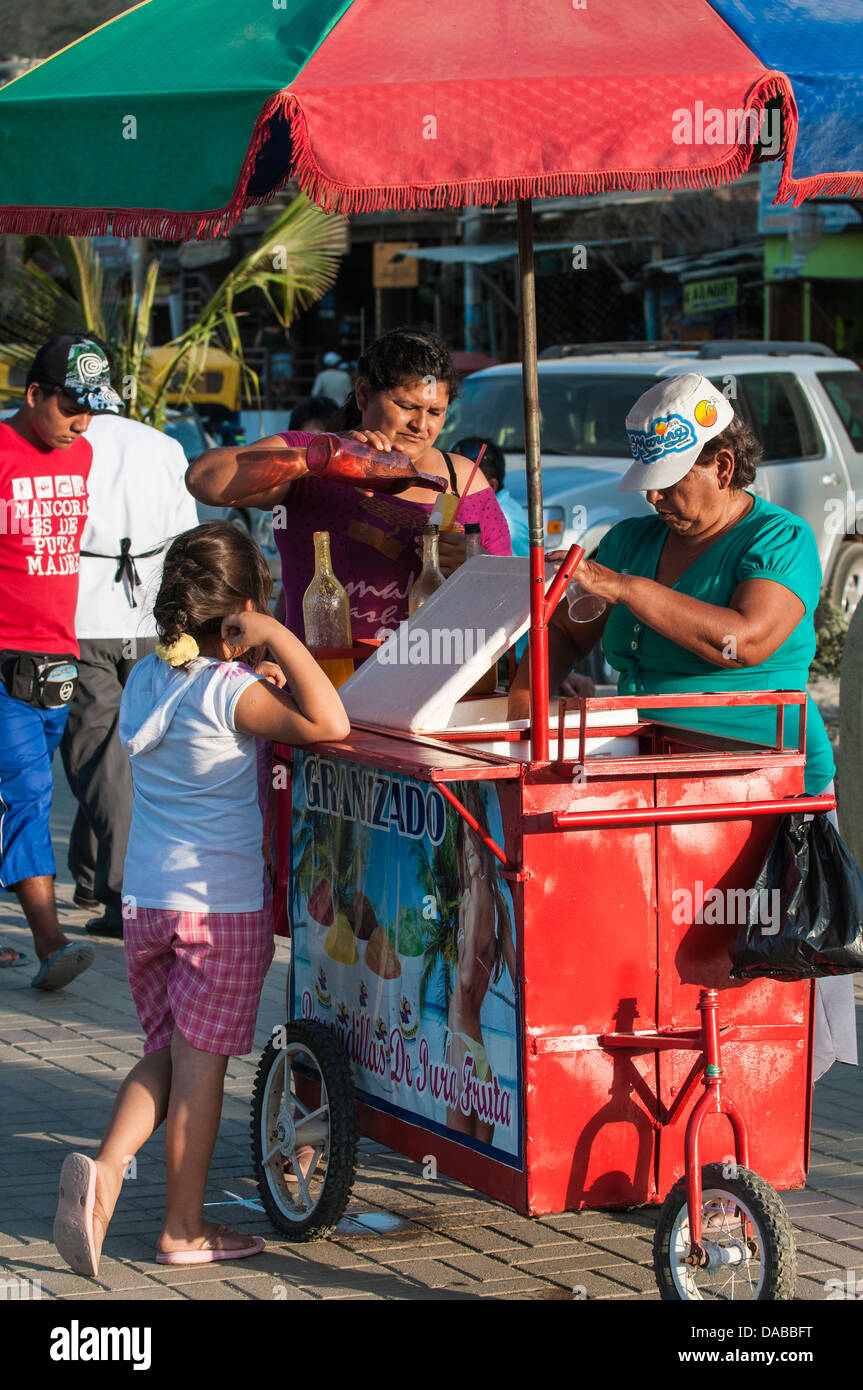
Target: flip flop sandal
74,1236
61,968
20,959
207,1253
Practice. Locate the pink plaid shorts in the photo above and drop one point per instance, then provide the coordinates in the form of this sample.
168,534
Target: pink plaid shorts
202,972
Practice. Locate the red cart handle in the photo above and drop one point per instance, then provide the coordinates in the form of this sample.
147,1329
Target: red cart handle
676,815
574,557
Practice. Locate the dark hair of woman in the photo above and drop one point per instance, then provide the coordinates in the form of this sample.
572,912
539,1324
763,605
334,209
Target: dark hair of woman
312,408
400,356
209,572
745,447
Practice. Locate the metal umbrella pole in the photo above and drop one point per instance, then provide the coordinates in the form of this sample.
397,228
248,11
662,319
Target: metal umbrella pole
530,392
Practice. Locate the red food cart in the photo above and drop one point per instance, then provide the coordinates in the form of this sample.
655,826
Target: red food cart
519,966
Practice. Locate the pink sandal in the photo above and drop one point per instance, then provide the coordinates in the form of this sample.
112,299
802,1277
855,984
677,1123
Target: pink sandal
207,1253
74,1236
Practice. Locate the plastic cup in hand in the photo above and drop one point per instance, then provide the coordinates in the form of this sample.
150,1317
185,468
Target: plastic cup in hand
583,607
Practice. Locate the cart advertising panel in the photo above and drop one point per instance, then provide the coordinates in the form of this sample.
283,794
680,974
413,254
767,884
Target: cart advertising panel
403,942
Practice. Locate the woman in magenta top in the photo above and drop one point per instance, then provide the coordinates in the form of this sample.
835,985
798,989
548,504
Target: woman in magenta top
405,384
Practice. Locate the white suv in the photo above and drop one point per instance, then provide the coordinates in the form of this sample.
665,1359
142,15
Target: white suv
804,403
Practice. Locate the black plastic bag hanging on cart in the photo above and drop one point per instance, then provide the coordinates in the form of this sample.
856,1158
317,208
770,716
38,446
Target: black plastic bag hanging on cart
805,917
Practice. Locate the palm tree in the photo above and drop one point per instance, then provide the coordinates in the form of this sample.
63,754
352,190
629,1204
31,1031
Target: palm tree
313,853
326,847
293,265
437,875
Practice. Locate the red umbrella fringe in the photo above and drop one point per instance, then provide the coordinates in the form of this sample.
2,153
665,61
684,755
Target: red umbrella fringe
165,225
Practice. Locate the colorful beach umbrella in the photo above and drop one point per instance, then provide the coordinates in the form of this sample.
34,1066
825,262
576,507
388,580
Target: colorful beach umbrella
170,119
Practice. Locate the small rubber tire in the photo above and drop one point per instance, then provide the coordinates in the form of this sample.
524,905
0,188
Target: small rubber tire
772,1231
330,1058
847,577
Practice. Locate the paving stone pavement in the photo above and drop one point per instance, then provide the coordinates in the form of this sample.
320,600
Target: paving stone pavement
63,1055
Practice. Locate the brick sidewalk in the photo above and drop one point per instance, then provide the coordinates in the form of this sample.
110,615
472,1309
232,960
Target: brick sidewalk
63,1056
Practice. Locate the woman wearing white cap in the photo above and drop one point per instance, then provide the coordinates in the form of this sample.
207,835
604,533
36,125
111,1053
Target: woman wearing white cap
715,592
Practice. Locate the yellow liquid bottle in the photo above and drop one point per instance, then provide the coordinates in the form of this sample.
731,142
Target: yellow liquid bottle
327,613
444,510
430,577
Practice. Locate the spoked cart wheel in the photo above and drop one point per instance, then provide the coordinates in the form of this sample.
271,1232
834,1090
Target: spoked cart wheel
747,1242
304,1099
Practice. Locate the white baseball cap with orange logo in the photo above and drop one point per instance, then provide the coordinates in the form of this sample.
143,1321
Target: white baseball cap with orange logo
669,426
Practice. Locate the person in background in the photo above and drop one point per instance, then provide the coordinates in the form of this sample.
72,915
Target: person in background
45,464
494,467
199,941
312,413
138,501
334,380
716,591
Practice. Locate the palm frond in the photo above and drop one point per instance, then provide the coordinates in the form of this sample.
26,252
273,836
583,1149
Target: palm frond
295,263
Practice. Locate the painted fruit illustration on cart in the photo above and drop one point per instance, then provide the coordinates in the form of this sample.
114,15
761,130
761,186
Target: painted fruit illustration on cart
328,860
398,904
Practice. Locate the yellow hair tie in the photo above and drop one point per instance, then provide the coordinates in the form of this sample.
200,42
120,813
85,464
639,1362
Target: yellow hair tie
178,653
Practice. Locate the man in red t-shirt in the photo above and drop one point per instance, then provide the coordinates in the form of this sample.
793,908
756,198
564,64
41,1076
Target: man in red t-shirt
44,465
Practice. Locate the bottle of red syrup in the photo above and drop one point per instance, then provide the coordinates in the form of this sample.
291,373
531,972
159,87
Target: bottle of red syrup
348,461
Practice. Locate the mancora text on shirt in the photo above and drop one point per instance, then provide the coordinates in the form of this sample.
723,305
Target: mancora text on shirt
47,512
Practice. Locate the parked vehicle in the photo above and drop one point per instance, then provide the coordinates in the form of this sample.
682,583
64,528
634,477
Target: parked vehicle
218,383
804,403
187,427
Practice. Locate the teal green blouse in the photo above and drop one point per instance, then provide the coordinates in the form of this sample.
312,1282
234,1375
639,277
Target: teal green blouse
768,543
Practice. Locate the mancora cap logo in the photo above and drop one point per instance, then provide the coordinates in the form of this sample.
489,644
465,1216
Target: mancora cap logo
87,366
668,436
88,377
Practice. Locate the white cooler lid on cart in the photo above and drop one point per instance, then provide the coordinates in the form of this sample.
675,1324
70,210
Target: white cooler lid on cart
415,678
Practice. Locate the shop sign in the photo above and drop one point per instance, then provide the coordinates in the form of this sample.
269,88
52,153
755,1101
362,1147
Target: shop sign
389,274
703,296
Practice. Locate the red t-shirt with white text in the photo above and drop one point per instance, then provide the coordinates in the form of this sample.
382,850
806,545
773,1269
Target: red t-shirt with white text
43,506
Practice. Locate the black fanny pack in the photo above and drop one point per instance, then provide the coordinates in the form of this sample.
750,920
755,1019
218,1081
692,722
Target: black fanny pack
46,681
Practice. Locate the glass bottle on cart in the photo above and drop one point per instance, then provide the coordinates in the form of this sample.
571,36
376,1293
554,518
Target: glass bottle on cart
430,577
487,683
327,613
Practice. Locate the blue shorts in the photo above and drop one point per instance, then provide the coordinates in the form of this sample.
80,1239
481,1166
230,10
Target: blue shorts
28,737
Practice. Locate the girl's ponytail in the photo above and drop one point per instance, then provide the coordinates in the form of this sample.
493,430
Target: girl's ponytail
209,572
